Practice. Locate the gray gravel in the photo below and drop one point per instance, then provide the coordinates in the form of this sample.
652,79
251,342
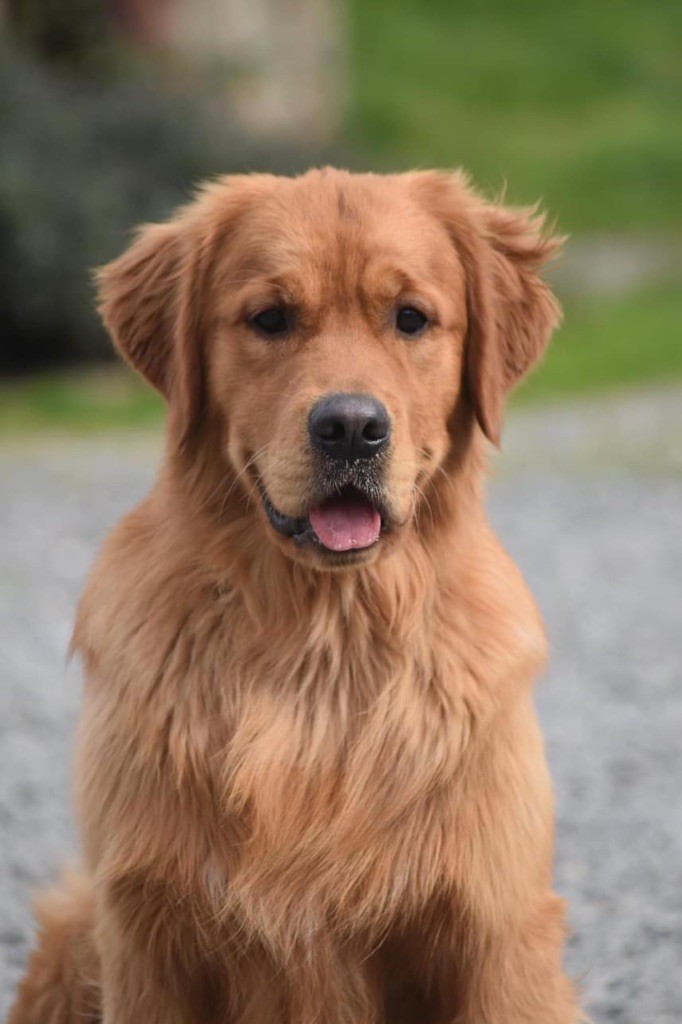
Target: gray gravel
588,498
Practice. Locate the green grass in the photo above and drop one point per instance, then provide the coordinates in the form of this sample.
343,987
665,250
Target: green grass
105,399
605,343
609,343
578,103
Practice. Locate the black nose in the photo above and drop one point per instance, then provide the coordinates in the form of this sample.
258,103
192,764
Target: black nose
349,426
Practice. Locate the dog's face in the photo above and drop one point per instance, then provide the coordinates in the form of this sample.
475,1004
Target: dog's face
331,325
340,316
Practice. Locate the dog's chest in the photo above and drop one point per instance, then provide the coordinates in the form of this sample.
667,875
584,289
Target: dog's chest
365,861
345,806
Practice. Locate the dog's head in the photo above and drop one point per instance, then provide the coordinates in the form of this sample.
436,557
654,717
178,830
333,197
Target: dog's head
331,328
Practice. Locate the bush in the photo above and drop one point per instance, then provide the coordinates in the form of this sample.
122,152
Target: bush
83,161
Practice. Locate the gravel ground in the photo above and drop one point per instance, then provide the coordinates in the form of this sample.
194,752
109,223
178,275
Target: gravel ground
588,498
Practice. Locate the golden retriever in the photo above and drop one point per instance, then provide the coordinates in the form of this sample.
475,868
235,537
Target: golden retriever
310,781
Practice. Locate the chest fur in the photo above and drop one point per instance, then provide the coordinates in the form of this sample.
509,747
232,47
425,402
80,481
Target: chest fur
319,757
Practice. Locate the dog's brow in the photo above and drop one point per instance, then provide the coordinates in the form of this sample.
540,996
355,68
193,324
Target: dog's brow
392,278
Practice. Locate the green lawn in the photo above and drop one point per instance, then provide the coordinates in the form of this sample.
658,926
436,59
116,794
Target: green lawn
578,103
107,398
603,344
609,343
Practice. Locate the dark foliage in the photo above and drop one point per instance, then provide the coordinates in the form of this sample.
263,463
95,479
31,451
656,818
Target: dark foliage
82,160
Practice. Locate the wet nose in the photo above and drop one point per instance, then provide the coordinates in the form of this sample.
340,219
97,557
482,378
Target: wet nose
347,426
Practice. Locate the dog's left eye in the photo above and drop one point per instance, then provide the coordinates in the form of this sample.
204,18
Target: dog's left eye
410,321
272,322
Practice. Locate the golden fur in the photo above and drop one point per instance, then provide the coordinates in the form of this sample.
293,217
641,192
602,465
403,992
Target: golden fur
314,792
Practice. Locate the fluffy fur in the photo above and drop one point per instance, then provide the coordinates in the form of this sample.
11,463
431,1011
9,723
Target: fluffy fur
309,792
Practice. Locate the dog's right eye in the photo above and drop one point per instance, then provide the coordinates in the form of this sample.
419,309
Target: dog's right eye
271,322
410,321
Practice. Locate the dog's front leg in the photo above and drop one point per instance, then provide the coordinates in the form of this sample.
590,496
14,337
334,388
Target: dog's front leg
152,970
516,974
508,926
332,984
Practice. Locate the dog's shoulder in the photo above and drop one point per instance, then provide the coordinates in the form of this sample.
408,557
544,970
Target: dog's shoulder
494,618
139,593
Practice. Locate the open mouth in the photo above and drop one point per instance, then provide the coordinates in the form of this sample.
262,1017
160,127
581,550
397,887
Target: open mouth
347,521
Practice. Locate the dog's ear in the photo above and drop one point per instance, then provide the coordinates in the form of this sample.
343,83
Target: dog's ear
149,301
511,311
138,301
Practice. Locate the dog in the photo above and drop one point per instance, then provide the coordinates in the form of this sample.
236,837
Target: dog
310,782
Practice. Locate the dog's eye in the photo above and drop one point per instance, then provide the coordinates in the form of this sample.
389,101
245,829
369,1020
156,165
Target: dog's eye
271,322
410,321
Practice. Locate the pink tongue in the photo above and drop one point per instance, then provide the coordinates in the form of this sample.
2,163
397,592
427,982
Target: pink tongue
342,525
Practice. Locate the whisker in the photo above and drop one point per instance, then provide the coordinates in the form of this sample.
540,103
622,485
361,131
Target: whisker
239,475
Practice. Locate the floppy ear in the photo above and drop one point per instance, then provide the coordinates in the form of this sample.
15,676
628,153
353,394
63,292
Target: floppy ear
511,311
137,299
148,300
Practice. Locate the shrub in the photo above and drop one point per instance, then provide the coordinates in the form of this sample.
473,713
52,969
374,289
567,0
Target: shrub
84,159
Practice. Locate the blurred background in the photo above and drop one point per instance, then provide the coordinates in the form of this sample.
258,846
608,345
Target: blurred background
111,111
